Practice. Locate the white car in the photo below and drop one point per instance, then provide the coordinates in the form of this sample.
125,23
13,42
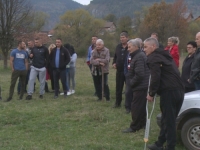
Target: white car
188,120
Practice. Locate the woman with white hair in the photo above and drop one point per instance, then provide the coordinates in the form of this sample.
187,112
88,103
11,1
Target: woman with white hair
172,47
100,66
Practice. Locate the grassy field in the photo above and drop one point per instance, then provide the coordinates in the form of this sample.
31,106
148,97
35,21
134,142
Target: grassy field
77,122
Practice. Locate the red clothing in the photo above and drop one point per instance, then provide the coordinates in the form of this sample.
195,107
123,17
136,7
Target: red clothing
174,53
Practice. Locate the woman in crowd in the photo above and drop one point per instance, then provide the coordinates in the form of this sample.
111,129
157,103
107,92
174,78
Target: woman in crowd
72,69
173,49
49,69
186,69
100,66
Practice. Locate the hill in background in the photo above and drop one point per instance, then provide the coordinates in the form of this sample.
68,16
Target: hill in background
100,8
54,8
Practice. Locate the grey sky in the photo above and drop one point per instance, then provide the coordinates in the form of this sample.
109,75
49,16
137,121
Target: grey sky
84,2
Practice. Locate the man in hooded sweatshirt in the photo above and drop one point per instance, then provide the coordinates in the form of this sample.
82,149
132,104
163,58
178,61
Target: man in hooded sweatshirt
165,80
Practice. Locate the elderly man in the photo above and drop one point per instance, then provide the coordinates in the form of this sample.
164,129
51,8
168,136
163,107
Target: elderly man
118,64
166,81
137,77
100,66
195,69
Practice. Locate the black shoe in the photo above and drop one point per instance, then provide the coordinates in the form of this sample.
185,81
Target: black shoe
116,106
20,98
28,97
9,99
55,97
155,147
129,130
0,98
41,96
128,111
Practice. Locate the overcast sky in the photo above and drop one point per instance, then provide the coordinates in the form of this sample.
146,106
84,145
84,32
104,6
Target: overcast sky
84,2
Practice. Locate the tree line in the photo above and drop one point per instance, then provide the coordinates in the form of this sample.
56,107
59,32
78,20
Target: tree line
76,27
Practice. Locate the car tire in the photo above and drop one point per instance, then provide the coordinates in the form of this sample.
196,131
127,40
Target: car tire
190,134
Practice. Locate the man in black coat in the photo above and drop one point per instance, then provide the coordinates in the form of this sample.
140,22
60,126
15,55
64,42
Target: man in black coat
166,81
138,78
118,64
59,58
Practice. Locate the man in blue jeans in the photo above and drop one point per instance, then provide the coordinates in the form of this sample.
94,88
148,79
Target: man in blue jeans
195,68
19,65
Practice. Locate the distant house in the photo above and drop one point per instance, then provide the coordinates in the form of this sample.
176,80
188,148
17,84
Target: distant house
188,16
197,19
109,27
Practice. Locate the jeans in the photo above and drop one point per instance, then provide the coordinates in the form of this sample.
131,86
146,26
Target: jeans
120,80
59,74
42,78
71,78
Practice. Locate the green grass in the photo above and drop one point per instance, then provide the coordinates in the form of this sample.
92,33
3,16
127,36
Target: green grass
78,122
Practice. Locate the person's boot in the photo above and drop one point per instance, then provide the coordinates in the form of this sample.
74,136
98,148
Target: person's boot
46,87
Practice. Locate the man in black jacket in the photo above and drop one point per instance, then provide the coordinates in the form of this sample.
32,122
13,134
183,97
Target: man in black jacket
195,68
137,77
118,64
166,81
40,58
59,58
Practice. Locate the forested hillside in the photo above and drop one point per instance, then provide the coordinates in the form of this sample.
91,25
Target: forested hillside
101,8
54,9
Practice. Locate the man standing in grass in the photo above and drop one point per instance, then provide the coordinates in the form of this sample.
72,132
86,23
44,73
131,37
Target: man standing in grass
40,56
19,66
59,58
166,81
118,64
92,47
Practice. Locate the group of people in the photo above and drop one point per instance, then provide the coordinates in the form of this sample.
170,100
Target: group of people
37,61
147,69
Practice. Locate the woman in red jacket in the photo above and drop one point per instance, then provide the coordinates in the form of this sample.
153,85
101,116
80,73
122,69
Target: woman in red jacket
173,49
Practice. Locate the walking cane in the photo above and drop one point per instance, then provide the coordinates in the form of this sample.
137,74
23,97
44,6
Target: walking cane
102,73
146,136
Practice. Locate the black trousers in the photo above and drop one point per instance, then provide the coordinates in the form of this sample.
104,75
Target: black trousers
170,105
50,70
138,110
59,74
98,85
120,79
128,95
21,74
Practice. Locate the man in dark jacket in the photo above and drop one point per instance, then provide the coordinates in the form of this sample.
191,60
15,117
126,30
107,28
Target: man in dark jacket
166,81
195,69
40,56
137,77
59,58
118,64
